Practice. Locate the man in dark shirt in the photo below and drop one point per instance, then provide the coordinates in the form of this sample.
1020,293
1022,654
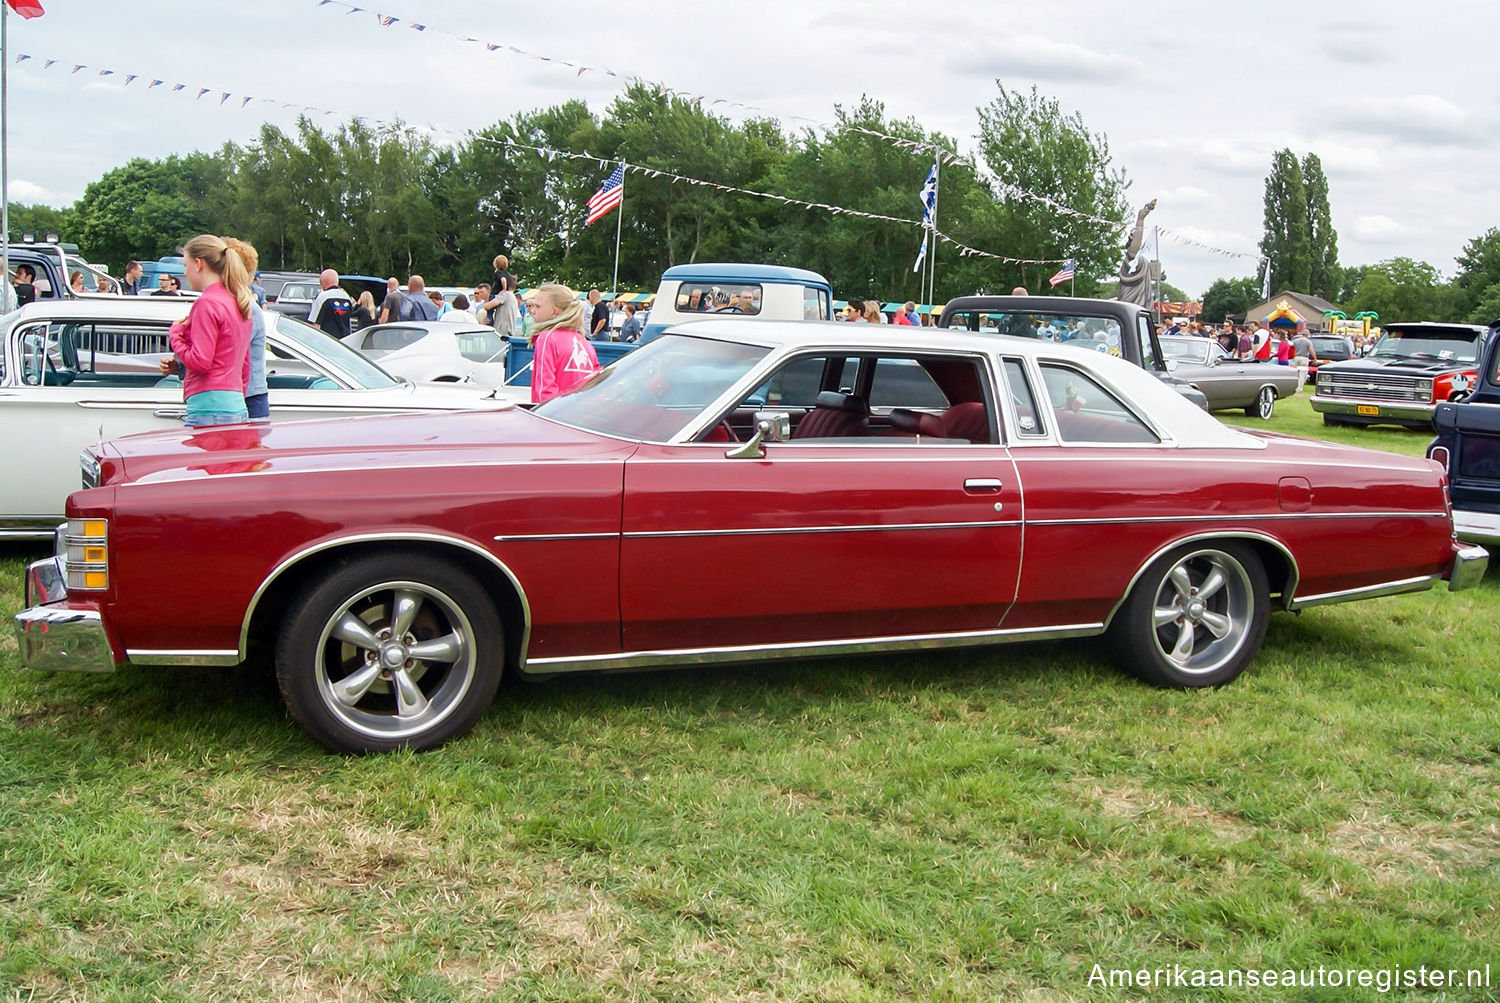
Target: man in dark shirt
131,285
390,307
599,320
25,283
330,311
166,285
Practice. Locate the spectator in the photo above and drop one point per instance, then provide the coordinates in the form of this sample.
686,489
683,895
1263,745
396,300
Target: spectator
258,289
1261,335
459,312
212,344
563,357
25,283
364,312
390,307
631,329
131,285
1019,291
257,394
1283,349
1303,354
905,313
75,283
415,305
330,311
1244,344
477,303
504,316
438,303
166,285
872,312
599,319
502,276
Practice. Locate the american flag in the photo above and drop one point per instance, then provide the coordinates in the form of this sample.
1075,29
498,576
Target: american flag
1063,274
608,196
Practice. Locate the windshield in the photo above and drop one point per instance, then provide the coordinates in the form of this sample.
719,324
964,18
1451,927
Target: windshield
653,392
1184,351
1455,346
330,355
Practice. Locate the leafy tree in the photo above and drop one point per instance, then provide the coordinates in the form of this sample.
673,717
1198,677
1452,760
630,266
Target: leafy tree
1399,289
1487,311
1227,296
1325,275
147,208
1287,244
1030,145
40,220
1478,272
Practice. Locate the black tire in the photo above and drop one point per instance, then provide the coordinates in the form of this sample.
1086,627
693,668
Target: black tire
358,689
1265,403
1221,601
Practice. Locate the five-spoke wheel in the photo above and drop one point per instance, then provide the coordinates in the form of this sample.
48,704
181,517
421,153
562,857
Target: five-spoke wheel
1195,617
390,651
1265,404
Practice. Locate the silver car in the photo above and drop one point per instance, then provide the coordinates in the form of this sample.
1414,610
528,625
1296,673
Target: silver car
1228,382
74,372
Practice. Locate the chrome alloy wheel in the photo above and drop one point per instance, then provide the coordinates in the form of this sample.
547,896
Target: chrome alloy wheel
1265,402
1202,612
395,660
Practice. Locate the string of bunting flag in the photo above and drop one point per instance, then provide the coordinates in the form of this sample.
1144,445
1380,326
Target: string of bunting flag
916,146
964,250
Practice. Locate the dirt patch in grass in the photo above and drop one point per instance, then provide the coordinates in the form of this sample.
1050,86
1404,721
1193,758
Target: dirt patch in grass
1123,798
1395,852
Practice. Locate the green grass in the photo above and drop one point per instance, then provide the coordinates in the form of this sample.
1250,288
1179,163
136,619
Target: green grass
970,826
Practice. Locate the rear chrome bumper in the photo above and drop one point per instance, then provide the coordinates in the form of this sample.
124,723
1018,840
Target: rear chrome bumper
54,636
1468,568
1477,527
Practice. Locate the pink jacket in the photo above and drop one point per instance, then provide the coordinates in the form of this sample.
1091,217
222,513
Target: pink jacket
213,344
563,360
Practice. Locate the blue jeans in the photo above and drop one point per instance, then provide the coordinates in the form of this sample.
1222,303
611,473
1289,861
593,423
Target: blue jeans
258,405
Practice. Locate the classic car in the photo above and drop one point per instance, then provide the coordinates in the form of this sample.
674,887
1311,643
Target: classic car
1095,324
914,488
1468,447
82,370
1411,369
709,289
435,350
1228,382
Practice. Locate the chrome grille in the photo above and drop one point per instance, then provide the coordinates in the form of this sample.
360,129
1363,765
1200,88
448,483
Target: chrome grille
1373,386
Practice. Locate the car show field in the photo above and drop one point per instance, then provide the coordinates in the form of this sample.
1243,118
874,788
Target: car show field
937,824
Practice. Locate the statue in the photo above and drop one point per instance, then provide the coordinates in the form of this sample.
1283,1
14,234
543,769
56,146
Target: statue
1137,272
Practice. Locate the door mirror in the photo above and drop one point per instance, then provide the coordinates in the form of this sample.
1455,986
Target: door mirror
773,425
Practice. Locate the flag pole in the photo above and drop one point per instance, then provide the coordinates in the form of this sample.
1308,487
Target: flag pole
614,288
4,152
937,183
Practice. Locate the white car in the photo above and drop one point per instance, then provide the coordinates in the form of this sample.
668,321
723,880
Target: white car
435,351
74,372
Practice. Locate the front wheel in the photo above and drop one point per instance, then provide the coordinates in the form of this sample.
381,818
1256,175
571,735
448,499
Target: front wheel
1265,403
1195,617
393,651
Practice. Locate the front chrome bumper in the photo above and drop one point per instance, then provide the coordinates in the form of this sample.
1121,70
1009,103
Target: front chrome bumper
1388,410
1468,568
55,637
1477,527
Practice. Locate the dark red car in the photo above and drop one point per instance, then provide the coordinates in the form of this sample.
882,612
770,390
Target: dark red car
727,492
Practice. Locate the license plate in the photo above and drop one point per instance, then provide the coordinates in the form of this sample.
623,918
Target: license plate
1366,409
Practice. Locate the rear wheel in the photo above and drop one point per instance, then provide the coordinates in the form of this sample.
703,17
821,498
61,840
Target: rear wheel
1195,617
393,651
1265,404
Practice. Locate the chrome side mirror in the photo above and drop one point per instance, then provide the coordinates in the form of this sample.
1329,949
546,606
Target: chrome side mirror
773,425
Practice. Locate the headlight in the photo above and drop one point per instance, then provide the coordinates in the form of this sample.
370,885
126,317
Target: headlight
1424,389
86,554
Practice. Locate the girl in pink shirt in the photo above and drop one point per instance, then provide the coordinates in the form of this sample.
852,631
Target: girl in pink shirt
212,344
563,358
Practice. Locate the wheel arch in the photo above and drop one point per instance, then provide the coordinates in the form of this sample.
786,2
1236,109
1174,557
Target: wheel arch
269,603
1281,567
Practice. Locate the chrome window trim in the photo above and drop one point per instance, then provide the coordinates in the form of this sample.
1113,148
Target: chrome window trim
298,556
672,657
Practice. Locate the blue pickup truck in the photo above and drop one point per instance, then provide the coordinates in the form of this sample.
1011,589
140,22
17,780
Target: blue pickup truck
1468,444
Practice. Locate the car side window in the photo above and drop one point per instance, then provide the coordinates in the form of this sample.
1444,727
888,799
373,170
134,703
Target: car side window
1029,419
388,339
903,383
1086,412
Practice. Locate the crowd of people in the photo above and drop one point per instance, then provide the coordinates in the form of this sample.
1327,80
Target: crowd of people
219,352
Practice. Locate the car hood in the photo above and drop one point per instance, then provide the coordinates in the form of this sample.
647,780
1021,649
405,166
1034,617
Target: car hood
1396,364
402,442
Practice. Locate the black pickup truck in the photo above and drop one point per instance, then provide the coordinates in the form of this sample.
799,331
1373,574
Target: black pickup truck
1110,326
1468,444
1412,368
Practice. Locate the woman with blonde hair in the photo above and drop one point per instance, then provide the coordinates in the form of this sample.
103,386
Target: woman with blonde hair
257,394
872,311
212,343
563,358
364,312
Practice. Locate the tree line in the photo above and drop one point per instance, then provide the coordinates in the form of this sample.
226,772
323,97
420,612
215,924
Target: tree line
386,200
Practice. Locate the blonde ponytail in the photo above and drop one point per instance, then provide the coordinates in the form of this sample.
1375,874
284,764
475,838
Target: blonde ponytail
229,267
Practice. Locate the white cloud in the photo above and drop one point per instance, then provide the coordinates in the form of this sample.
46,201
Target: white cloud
1416,118
1187,197
1034,57
1355,42
1377,228
28,193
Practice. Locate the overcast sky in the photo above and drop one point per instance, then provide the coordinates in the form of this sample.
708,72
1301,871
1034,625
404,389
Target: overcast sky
1398,100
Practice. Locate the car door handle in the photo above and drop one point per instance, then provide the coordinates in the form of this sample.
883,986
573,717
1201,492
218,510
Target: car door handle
982,485
170,412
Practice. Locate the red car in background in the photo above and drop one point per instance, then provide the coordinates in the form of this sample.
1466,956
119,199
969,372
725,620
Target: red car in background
912,488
